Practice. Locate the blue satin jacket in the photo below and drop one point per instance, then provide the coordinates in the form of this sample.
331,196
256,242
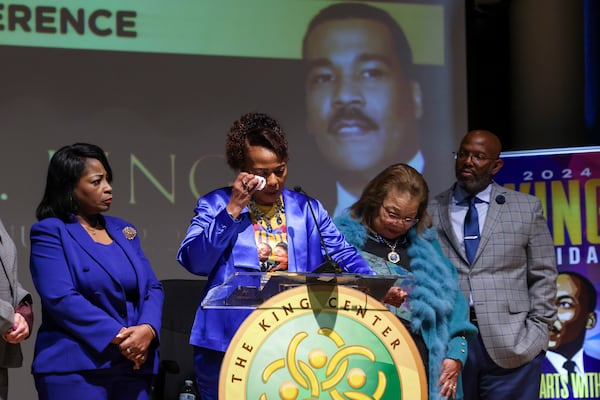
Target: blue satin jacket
83,305
217,246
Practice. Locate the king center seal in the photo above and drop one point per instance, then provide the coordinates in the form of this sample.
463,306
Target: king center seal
319,342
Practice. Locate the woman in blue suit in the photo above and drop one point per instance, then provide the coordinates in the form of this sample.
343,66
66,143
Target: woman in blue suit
230,224
101,302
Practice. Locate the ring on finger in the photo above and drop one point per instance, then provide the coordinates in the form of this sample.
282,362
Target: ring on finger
128,350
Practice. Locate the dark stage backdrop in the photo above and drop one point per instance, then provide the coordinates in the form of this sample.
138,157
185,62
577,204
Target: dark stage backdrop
158,83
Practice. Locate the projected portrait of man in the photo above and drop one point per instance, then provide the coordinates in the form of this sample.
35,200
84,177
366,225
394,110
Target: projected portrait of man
363,105
576,301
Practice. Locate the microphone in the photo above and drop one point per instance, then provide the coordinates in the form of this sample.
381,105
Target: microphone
500,199
330,265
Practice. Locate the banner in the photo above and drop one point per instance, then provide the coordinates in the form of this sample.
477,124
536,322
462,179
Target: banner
567,181
261,28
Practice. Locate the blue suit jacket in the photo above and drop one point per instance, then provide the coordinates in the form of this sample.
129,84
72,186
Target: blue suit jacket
590,364
83,305
560,389
217,246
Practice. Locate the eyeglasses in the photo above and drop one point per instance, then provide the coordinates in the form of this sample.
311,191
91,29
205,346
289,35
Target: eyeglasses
392,216
477,157
266,173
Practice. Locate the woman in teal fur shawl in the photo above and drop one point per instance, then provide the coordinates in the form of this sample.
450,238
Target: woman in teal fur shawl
390,226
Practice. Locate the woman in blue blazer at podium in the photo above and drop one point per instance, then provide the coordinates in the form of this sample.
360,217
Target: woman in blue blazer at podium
390,225
101,302
230,224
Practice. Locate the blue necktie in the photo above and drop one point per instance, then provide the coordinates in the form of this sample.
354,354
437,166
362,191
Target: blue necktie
471,229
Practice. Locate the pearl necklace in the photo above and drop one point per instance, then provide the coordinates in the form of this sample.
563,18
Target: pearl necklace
265,218
392,256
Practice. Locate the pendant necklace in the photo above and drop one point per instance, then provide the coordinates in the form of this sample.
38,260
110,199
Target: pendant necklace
392,256
93,229
264,219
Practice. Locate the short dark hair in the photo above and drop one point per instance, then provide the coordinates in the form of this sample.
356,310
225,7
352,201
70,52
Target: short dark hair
283,245
254,129
400,177
343,11
587,287
64,171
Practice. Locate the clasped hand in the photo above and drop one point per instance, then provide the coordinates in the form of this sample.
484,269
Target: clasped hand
18,332
133,343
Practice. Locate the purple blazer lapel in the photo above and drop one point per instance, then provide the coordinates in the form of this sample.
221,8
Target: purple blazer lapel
82,238
296,229
244,254
123,235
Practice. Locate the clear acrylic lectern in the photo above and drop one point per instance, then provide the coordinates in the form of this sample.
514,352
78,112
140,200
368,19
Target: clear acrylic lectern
251,289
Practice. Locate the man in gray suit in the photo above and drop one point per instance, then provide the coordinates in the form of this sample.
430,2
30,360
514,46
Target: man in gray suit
16,314
507,273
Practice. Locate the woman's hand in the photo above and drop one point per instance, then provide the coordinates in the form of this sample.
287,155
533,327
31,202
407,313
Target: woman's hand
119,337
135,342
139,360
449,377
18,332
395,296
242,190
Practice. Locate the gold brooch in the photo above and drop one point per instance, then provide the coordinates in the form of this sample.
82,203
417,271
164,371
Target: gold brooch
129,232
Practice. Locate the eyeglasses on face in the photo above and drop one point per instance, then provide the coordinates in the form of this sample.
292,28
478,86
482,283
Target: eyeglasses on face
477,157
392,216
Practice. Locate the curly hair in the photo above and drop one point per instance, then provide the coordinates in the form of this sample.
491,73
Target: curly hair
254,129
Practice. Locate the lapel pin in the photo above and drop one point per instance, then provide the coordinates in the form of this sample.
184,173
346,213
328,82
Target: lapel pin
129,232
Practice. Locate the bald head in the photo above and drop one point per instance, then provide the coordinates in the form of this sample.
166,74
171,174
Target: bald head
487,139
477,160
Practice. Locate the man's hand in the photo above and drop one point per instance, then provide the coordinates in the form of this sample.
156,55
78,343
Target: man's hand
18,332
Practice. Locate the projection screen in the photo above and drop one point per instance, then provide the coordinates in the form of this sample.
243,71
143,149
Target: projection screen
157,85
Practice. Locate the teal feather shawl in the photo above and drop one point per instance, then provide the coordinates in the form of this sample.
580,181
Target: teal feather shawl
433,299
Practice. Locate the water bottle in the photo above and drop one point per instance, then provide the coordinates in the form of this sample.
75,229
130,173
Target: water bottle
188,392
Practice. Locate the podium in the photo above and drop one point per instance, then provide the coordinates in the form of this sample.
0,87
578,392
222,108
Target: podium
323,336
251,290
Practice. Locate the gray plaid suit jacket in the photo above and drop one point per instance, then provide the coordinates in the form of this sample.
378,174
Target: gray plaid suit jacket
513,276
11,293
